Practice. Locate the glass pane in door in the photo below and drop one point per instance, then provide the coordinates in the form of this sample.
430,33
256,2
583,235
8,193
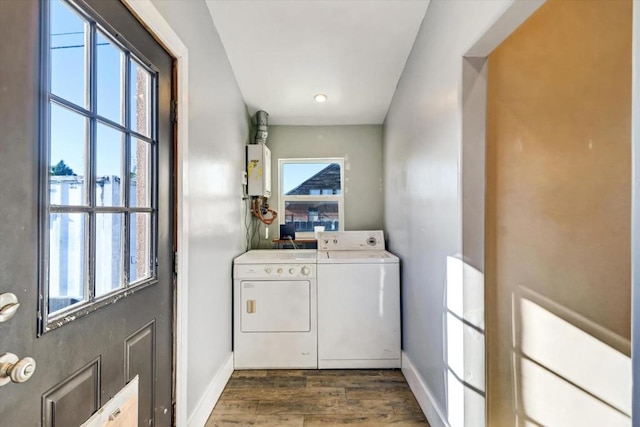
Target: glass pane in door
110,79
69,53
67,157
109,166
109,252
140,174
67,259
140,99
140,246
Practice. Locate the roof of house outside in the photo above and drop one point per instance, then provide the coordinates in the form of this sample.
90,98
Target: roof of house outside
327,179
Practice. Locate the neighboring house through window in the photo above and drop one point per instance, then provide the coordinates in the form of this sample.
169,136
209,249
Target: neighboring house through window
311,194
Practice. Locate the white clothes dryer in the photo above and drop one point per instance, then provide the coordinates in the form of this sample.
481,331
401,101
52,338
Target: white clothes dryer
275,310
358,302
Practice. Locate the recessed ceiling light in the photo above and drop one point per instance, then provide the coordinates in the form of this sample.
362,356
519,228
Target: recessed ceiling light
321,97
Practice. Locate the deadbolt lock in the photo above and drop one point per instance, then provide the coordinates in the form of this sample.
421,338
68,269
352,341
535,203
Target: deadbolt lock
14,369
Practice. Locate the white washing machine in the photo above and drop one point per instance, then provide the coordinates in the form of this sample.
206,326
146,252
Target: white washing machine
358,302
275,310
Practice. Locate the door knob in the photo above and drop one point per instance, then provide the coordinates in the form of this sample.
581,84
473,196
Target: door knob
14,369
8,306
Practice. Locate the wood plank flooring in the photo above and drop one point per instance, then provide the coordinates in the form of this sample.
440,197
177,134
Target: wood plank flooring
317,398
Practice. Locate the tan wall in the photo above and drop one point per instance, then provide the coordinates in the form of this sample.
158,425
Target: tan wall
558,213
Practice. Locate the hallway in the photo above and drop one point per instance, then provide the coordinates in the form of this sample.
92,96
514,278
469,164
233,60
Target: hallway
317,398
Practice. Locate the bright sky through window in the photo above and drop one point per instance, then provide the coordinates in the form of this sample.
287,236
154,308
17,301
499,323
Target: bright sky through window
294,174
68,56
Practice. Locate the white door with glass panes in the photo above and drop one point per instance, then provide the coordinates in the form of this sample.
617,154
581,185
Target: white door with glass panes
86,213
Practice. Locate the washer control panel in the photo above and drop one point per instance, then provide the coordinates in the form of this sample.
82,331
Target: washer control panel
351,240
275,271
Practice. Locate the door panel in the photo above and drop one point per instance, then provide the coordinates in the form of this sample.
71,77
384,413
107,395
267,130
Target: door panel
140,360
84,363
72,401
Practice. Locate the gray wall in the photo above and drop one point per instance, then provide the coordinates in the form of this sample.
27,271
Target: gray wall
422,145
361,147
218,130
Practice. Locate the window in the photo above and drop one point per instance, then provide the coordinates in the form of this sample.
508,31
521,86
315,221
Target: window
99,152
311,194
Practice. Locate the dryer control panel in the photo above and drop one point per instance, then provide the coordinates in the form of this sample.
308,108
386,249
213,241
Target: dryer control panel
351,240
275,271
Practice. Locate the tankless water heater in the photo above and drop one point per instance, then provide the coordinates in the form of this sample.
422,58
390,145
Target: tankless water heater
258,170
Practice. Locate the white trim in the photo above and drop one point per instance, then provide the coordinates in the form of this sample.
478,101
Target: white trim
153,20
514,16
435,415
210,397
472,155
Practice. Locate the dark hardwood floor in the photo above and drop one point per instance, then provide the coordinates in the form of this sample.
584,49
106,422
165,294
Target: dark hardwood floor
317,398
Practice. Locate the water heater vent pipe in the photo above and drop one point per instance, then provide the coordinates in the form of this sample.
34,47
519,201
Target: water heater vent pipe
262,127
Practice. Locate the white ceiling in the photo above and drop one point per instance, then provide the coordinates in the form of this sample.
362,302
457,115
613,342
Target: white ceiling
284,52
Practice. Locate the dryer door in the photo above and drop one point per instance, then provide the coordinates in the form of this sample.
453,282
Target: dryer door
276,306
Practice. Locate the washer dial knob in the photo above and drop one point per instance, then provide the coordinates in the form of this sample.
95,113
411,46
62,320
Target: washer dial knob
305,271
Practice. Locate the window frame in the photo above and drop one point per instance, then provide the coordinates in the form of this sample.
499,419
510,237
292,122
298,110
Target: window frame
311,198
90,303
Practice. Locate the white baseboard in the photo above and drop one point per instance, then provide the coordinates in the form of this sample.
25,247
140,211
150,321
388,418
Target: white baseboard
435,415
210,398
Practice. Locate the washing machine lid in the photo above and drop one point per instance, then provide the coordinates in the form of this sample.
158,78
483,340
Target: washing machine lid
278,256
356,257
